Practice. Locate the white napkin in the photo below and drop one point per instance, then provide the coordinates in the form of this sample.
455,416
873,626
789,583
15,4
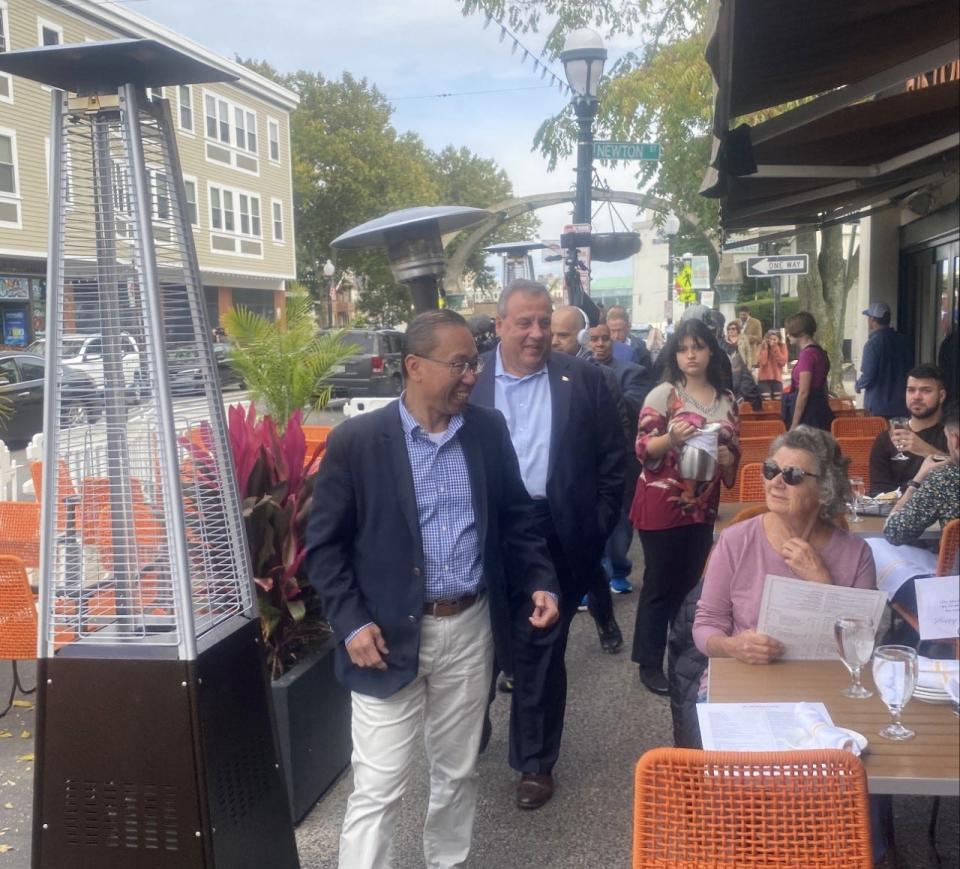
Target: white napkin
953,689
934,674
899,564
817,732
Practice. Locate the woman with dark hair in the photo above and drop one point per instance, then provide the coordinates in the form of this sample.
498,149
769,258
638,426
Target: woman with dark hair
686,416
806,403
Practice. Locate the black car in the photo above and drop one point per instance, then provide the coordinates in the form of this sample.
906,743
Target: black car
21,397
375,367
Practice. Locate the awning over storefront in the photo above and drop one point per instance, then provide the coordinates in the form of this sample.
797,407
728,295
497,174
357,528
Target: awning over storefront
862,140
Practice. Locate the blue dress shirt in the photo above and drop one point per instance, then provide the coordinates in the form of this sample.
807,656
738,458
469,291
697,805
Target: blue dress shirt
525,404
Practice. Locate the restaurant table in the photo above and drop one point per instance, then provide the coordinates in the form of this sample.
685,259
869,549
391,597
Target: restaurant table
871,526
927,765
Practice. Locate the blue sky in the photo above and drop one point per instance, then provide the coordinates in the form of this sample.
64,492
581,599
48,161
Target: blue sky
408,48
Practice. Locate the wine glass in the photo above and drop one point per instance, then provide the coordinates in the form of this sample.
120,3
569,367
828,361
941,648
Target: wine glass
900,423
858,490
855,643
895,675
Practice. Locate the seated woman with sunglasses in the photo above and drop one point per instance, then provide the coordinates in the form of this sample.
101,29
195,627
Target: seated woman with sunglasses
806,487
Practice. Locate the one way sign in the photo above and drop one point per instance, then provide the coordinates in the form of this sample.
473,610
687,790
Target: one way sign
765,266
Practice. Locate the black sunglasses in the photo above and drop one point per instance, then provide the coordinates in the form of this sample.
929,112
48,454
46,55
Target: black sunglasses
791,476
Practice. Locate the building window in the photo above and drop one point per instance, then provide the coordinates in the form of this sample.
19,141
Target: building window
9,182
49,33
190,191
161,195
235,211
6,82
277,206
230,123
218,118
273,139
154,94
185,104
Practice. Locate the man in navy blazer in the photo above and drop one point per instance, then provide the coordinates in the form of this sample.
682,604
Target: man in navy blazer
565,429
423,549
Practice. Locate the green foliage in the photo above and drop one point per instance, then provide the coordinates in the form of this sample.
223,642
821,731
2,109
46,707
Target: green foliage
351,165
286,363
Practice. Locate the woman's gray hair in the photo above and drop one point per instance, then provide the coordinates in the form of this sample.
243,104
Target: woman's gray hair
832,465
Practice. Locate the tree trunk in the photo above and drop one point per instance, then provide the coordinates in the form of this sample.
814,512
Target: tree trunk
823,292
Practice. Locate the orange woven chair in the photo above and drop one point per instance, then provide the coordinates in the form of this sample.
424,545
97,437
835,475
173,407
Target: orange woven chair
772,405
949,548
751,482
752,450
751,427
858,451
758,509
858,427
746,412
20,531
18,615
750,809
838,405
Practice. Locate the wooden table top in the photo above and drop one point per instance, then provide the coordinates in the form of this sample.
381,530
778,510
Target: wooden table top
928,764
871,526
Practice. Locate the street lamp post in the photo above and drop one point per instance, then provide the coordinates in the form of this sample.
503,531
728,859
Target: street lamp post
328,270
583,57
671,226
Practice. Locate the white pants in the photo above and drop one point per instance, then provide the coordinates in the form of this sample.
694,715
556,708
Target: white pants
448,696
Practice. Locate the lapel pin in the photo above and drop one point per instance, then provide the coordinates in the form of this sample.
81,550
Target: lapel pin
564,378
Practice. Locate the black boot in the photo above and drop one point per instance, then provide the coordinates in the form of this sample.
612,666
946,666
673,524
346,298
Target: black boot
610,637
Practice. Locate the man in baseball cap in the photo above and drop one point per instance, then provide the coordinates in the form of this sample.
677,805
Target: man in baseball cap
887,357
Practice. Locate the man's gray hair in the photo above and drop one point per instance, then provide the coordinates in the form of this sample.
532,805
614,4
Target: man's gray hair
521,285
618,312
832,466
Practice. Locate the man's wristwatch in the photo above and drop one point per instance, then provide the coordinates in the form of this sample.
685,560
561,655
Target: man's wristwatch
913,484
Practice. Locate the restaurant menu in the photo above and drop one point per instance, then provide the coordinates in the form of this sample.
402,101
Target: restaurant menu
938,607
801,614
758,726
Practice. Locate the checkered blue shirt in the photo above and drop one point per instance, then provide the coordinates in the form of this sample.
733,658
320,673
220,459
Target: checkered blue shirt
448,529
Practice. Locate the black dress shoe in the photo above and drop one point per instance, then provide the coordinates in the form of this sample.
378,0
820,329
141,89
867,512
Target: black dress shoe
654,680
534,790
505,683
610,637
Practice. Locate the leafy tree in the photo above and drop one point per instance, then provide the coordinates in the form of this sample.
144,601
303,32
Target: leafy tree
285,364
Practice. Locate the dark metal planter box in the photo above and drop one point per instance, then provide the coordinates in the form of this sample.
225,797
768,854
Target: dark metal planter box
313,724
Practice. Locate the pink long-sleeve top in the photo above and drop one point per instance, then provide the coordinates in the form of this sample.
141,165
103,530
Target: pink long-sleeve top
741,559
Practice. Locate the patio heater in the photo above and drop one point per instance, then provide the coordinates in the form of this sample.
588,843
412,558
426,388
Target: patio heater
155,741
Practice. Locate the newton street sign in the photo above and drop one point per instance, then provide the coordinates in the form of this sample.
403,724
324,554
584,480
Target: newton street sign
626,151
785,264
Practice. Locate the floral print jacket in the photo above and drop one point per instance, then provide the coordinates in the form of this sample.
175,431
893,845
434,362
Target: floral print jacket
663,499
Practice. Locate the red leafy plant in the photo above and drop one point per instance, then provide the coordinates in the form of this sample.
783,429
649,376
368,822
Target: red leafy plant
276,490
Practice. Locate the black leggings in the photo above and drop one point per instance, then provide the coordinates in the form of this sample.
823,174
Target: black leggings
673,564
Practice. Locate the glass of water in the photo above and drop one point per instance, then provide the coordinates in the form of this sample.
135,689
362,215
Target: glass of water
857,490
855,638
900,423
895,675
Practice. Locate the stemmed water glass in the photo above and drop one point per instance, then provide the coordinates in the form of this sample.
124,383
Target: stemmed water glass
858,490
895,675
900,423
855,643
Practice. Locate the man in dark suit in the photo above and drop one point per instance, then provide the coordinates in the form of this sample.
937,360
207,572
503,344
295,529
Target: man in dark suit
564,428
423,547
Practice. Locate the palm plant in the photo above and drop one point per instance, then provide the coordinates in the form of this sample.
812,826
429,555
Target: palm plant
285,364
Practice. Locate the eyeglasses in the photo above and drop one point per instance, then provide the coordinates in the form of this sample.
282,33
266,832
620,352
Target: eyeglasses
791,476
458,369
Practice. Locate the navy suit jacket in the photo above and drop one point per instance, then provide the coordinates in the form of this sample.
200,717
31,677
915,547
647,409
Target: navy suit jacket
364,549
586,465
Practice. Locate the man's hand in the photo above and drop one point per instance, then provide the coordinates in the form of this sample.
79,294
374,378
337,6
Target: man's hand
753,648
908,441
929,463
545,611
367,648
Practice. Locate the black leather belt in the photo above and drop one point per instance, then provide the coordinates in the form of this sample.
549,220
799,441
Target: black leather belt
446,608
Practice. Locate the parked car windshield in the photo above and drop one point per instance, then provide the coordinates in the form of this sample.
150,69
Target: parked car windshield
364,340
71,347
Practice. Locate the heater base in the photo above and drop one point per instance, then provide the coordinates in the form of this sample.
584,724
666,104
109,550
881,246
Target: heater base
160,764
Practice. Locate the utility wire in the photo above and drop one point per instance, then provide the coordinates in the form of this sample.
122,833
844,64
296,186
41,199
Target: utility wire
535,87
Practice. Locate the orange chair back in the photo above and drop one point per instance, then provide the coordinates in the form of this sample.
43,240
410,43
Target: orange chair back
772,405
761,428
751,482
858,451
750,809
838,405
18,614
949,547
752,450
858,426
20,531
759,509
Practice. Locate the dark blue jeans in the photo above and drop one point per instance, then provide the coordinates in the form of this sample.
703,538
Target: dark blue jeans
616,561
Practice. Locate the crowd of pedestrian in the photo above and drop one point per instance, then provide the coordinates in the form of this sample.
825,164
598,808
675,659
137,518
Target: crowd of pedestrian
463,526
